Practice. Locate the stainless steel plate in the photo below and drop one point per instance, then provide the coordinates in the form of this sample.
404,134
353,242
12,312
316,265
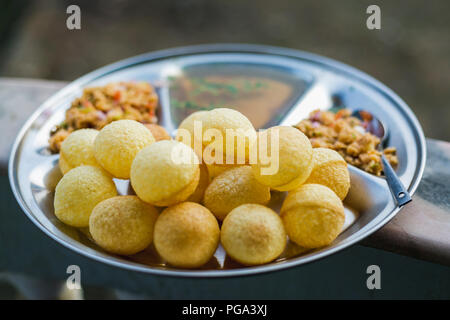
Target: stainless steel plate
314,82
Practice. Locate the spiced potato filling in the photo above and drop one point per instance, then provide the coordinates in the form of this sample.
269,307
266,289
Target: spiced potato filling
99,106
348,136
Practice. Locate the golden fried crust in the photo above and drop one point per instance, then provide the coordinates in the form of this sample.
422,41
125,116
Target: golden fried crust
233,188
313,215
183,194
188,124
220,120
330,170
294,160
78,149
312,195
186,235
203,183
123,224
223,119
158,132
79,191
118,143
63,164
160,178
214,170
253,234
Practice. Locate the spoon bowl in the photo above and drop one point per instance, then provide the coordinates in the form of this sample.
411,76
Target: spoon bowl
372,124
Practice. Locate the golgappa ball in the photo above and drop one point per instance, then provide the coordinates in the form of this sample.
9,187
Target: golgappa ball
158,132
289,155
118,143
330,170
185,132
313,215
165,173
224,138
123,224
227,136
78,149
253,234
233,188
214,170
186,235
79,191
203,183
63,165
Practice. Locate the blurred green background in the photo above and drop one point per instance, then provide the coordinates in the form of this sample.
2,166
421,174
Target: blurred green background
410,53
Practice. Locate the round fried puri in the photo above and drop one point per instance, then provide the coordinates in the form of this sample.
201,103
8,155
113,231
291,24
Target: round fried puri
233,188
253,234
158,132
214,170
79,191
165,173
236,132
330,170
313,215
289,161
123,224
185,132
186,235
118,143
77,150
203,183
213,139
63,165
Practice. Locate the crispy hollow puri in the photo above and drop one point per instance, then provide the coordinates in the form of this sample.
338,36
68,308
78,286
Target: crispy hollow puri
63,164
118,143
330,170
123,224
224,121
215,124
203,183
293,163
186,235
78,149
214,170
313,215
186,135
161,176
253,234
79,191
233,188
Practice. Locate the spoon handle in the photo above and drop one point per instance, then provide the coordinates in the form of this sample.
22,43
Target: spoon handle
401,195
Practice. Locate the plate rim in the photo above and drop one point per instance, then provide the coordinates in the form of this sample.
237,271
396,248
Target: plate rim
203,49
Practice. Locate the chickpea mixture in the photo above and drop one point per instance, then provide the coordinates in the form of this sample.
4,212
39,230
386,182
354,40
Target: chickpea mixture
99,106
347,135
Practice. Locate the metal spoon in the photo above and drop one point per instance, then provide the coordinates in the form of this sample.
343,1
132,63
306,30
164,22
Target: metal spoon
377,128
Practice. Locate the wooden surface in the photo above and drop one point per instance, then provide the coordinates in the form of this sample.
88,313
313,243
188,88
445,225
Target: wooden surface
421,229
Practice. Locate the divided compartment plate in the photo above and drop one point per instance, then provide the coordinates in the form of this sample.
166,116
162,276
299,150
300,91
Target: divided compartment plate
270,86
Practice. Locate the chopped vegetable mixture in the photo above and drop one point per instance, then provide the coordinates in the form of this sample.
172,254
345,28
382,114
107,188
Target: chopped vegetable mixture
347,135
99,106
